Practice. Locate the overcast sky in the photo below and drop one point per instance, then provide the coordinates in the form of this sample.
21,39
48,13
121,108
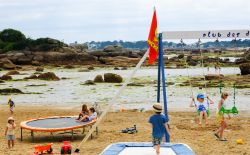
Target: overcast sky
98,20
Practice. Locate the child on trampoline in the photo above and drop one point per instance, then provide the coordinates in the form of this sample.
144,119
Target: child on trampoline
201,106
92,115
9,132
220,118
84,112
160,125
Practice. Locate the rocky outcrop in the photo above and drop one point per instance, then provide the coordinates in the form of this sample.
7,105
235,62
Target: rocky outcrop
36,58
112,78
33,76
7,91
6,64
245,69
39,69
98,79
214,76
50,76
14,72
6,77
89,82
113,48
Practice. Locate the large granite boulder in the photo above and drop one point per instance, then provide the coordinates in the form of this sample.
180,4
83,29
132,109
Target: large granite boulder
39,69
113,48
98,79
14,72
112,78
33,76
6,64
6,77
50,76
245,69
214,76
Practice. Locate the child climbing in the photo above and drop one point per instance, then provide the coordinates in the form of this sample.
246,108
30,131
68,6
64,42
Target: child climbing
9,132
159,126
11,105
202,107
84,112
221,118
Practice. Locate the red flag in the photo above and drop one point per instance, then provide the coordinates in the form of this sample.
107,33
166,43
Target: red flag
153,40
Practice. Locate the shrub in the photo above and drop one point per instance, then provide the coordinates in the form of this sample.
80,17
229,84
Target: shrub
11,35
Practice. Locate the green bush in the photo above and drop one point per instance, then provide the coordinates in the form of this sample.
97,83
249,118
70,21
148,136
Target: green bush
11,35
8,47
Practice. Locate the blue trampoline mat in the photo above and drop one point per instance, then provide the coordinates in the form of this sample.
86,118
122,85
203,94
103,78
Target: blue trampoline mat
136,148
57,122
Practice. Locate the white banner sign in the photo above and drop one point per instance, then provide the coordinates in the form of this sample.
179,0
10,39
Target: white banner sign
225,34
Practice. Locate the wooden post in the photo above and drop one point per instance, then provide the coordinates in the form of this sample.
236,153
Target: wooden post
32,136
96,130
21,134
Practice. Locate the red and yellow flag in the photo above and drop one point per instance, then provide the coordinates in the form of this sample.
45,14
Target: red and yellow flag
153,40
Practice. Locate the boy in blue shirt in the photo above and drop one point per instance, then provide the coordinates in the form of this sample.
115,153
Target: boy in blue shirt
159,126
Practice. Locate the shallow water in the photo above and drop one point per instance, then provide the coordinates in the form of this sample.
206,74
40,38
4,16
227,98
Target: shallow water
70,93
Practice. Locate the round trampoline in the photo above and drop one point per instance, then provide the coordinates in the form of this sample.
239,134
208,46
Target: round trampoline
53,124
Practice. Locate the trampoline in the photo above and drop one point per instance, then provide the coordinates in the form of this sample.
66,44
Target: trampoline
53,124
146,149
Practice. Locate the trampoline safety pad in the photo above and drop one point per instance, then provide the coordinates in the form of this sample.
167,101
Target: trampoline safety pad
146,148
145,151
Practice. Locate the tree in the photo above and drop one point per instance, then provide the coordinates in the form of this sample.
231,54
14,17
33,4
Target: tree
11,35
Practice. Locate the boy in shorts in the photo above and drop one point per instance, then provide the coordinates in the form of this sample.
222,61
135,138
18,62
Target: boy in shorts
160,125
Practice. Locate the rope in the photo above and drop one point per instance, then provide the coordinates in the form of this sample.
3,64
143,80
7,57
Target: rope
203,72
187,67
112,101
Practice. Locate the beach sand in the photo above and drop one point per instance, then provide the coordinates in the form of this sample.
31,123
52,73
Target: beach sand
183,130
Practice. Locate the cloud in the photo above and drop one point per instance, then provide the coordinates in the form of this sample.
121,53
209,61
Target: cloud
83,20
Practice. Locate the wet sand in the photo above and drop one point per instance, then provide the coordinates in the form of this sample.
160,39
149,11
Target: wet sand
183,130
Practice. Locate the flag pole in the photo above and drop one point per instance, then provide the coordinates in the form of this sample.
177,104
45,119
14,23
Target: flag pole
162,69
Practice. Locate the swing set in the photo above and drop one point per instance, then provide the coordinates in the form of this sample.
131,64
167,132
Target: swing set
166,35
234,109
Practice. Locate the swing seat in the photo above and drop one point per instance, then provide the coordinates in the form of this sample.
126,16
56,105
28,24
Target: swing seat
208,113
234,110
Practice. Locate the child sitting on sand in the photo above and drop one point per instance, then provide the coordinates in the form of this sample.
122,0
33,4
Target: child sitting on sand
92,115
11,105
220,117
9,132
201,106
84,112
159,126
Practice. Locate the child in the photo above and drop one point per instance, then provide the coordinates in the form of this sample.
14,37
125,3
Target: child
220,117
92,115
159,126
11,105
201,106
84,112
9,132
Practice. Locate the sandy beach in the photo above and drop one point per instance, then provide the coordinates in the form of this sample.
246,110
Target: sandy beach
183,130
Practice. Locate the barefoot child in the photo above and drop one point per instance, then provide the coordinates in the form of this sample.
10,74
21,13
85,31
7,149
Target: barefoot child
92,115
11,105
221,118
201,106
159,126
9,132
84,112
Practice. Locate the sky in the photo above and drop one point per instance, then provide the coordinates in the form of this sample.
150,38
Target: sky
129,20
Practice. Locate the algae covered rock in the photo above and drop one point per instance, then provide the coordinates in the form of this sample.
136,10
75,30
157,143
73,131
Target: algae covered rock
112,78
